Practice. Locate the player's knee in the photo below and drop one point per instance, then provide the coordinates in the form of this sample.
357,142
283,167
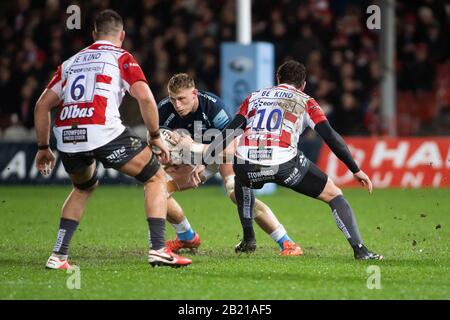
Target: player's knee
334,191
330,192
158,177
232,197
88,186
258,209
229,186
151,171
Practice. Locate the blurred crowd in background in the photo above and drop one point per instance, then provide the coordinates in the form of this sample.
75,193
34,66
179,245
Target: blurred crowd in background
342,56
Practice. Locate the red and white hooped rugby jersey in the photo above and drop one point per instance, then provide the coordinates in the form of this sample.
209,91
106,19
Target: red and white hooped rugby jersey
276,117
91,85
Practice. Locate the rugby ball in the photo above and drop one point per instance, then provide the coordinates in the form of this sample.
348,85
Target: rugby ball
175,155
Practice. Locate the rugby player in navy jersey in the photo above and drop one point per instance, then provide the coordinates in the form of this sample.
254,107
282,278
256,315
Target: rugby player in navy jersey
198,111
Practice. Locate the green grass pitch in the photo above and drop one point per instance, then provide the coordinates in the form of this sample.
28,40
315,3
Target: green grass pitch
409,227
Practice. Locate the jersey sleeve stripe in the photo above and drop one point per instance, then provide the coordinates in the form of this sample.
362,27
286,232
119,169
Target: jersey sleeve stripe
55,79
243,109
221,120
130,70
290,117
314,111
100,78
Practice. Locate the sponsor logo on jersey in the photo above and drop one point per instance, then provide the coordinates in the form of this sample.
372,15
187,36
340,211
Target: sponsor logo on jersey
131,64
135,143
117,155
264,103
263,137
207,96
293,177
169,118
283,94
302,160
261,176
87,57
74,112
257,154
85,113
221,120
262,173
74,135
76,69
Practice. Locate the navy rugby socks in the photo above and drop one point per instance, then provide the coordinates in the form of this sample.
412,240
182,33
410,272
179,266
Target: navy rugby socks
345,220
245,199
156,230
66,230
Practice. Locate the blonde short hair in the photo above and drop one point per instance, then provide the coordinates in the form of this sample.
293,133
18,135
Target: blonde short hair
180,81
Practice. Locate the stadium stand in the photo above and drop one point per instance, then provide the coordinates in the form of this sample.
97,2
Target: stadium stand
341,54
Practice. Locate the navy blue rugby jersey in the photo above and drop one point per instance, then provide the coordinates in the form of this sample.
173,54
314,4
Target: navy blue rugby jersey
210,114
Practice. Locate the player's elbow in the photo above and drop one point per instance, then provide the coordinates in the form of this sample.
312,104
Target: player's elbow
40,106
144,100
141,92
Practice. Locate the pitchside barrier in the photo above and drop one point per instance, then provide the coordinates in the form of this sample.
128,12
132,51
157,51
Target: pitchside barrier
394,162
401,162
17,167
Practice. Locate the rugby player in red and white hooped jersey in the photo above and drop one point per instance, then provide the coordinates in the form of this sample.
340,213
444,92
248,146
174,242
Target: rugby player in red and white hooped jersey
87,90
273,120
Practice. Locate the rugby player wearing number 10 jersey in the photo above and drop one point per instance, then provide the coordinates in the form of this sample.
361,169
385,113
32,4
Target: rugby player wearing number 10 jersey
272,121
88,89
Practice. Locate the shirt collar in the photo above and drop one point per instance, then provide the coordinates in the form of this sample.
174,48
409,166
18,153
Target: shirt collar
105,42
288,85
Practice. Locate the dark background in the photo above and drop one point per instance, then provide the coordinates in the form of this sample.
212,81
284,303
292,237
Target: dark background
330,37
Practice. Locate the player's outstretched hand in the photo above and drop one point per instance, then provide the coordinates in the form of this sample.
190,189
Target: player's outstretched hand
362,178
45,161
184,143
173,137
197,176
165,154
